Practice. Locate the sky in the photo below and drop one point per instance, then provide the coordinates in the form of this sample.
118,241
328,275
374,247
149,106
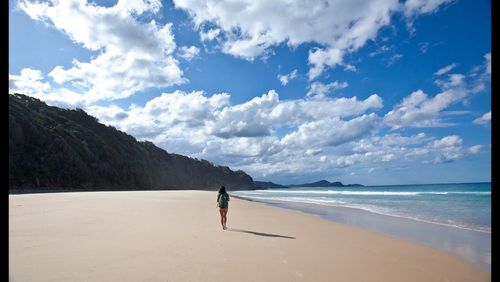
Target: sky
381,92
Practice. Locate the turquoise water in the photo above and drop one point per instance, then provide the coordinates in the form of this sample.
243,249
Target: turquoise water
464,205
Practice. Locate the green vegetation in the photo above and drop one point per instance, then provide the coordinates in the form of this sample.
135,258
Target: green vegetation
69,149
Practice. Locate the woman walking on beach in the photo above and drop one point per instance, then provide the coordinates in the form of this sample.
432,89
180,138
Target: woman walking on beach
222,203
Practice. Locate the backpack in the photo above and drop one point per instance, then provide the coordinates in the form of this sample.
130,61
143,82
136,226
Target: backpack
223,200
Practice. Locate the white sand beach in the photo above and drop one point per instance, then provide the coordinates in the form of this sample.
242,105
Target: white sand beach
177,236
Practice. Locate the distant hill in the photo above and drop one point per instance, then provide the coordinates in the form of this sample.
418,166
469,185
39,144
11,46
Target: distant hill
325,183
266,185
321,183
59,148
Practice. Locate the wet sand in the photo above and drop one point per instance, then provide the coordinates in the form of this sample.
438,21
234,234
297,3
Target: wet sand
474,246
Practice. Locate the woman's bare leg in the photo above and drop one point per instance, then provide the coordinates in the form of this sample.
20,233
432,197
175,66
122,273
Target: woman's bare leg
225,217
222,218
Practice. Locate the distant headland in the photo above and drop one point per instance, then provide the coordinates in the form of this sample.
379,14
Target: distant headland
321,183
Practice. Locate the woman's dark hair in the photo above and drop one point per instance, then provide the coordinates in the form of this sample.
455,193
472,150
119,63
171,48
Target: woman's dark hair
222,190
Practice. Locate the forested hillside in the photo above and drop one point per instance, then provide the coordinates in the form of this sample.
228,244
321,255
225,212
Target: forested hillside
59,148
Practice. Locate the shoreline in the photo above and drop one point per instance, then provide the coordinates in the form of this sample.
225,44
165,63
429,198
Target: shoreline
453,239
176,236
291,203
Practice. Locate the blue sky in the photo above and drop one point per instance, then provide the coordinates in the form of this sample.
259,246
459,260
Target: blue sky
371,92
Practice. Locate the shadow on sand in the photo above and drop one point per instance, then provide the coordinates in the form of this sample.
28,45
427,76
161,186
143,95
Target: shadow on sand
259,233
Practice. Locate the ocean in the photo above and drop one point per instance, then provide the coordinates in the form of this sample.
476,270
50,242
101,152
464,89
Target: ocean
463,205
452,217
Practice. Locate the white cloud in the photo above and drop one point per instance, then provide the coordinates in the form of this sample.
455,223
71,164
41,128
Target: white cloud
386,148
318,89
393,59
412,8
29,82
109,114
348,67
448,141
381,50
177,121
331,132
396,150
209,35
388,157
188,53
454,80
423,47
320,58
450,148
395,139
189,109
325,134
249,28
62,97
132,55
249,119
313,152
284,79
488,63
475,149
244,135
482,75
296,112
259,116
484,119
447,149
446,69
419,110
